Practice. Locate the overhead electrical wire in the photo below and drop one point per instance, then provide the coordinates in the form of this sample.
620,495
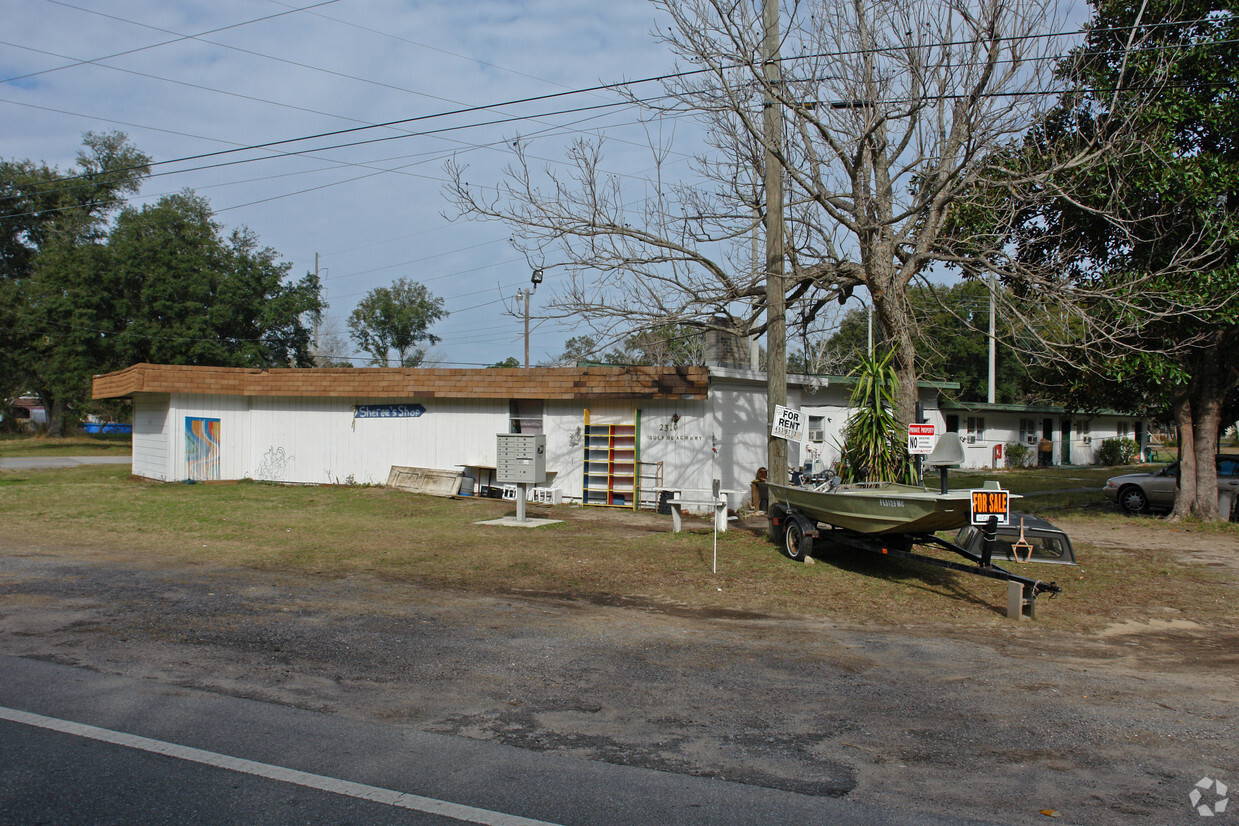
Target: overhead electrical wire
150,46
601,87
484,107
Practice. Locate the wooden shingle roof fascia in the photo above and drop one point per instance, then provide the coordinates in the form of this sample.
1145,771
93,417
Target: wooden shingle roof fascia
561,383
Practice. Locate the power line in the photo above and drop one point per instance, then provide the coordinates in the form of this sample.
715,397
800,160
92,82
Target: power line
89,177
590,89
155,45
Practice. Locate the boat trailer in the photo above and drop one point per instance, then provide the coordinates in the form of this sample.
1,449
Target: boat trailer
795,531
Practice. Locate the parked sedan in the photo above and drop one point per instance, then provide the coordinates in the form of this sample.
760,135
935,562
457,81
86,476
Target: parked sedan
1146,492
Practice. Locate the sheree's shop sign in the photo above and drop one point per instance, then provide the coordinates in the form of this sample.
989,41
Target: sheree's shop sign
388,411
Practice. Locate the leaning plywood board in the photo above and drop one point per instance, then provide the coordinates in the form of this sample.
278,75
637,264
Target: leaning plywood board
432,481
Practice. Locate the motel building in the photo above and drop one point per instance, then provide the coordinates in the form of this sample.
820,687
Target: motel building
615,436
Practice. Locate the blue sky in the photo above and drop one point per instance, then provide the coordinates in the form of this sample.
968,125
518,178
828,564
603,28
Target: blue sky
373,212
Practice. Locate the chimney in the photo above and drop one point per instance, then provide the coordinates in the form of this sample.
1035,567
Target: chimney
726,347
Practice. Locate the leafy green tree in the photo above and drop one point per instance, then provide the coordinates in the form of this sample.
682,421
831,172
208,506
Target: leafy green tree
1148,246
578,349
53,313
396,318
197,296
663,345
510,361
952,343
162,284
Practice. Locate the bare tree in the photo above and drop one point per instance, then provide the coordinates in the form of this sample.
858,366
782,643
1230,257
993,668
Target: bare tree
892,111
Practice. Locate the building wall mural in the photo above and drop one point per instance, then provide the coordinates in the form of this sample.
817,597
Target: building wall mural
202,448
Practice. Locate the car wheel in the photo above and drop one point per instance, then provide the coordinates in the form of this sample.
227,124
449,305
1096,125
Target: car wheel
1132,500
796,544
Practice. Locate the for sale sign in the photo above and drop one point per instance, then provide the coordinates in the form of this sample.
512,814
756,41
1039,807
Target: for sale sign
987,502
788,424
920,439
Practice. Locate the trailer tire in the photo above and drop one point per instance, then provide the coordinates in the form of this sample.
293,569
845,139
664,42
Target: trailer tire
796,544
778,523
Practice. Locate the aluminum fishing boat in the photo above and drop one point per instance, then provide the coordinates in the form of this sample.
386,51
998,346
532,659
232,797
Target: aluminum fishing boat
877,507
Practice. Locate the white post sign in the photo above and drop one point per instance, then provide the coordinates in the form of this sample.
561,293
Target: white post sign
920,439
788,424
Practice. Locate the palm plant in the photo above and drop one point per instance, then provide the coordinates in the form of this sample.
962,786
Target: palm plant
875,448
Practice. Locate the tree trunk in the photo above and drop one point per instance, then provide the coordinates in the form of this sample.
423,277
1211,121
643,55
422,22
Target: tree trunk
57,413
1206,419
891,307
1185,496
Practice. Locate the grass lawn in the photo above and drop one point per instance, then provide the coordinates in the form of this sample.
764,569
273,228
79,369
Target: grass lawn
110,444
594,553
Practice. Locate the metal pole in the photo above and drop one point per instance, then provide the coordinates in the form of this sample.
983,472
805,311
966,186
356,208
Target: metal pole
776,322
869,305
320,287
993,345
527,328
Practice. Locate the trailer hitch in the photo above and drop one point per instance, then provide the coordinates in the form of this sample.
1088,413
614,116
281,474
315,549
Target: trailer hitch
1052,588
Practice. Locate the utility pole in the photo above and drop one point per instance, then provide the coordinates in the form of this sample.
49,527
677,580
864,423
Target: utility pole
776,322
527,292
993,344
524,294
320,286
535,279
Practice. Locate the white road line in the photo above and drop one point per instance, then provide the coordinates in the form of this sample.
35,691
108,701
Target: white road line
334,785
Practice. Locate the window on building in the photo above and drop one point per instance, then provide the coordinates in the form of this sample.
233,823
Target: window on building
976,429
1028,431
525,416
1121,429
817,428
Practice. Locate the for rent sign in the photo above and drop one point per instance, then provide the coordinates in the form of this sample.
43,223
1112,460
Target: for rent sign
788,424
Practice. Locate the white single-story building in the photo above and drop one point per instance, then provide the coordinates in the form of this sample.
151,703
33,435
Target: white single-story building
643,428
988,430
614,435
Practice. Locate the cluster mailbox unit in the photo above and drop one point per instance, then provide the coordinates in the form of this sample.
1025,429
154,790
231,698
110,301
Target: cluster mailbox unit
520,459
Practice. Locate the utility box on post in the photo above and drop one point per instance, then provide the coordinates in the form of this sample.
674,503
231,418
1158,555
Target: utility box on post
520,457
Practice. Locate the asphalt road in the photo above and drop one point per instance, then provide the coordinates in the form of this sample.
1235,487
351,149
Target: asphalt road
38,462
84,747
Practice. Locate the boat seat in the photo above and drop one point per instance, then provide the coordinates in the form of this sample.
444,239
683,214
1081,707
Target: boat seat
948,452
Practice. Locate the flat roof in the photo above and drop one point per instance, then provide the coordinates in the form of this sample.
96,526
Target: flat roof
1001,407
409,382
821,379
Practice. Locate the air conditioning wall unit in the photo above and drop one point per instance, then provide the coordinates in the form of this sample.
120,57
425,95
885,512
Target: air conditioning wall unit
817,435
1032,440
972,440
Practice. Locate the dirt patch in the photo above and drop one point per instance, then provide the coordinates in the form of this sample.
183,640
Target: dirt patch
1219,551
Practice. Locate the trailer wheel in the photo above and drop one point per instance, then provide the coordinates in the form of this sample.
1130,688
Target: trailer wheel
778,522
795,544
